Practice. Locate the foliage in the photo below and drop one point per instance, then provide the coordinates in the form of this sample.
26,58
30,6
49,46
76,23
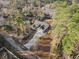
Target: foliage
1,39
8,27
36,3
19,22
68,16
15,24
41,15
